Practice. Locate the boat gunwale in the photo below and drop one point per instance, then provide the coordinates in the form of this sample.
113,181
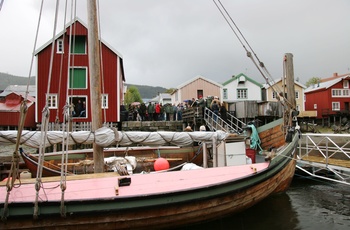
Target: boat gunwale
196,194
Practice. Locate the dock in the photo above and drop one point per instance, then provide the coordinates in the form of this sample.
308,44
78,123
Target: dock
322,154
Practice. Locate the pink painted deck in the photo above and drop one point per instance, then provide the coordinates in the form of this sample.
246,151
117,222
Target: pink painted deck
141,184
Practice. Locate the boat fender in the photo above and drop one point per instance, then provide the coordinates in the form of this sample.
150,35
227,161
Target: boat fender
289,136
248,160
161,164
190,166
25,175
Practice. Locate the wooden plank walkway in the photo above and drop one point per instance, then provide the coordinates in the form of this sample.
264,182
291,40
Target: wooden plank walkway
331,161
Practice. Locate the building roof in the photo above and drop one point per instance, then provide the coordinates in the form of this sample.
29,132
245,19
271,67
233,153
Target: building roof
335,76
19,89
63,31
326,84
16,107
266,86
196,78
163,96
241,75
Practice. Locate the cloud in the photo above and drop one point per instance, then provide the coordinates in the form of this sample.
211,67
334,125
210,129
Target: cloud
165,43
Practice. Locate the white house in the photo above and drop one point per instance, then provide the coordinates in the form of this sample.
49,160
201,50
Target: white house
241,88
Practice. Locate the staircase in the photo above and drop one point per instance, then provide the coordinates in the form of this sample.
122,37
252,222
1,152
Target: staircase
214,122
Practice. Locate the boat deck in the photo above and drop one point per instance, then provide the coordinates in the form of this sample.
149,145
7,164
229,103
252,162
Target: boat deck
105,185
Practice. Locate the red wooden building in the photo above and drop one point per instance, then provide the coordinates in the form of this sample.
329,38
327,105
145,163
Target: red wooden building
70,81
329,97
10,106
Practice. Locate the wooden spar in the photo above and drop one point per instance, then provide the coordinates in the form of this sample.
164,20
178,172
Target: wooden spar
290,79
95,81
290,84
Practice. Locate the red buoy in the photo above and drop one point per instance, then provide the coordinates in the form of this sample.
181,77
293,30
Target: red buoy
161,164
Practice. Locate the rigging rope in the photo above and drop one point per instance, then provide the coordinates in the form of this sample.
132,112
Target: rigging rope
250,52
45,121
13,175
101,58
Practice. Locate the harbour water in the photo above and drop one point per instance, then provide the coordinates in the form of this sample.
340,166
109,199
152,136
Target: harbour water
309,204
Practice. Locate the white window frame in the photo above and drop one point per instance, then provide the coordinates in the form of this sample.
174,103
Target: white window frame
242,93
274,95
52,102
346,92
315,106
336,92
60,46
224,93
104,102
335,106
346,84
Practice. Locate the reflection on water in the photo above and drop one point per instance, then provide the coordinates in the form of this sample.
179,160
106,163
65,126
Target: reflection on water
320,204
308,204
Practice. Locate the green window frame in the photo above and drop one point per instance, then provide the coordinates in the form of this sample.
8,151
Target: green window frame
78,78
78,45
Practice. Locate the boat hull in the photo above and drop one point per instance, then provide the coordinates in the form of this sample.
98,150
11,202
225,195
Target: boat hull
162,210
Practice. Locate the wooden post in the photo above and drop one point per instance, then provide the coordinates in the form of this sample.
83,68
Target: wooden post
205,156
289,82
95,82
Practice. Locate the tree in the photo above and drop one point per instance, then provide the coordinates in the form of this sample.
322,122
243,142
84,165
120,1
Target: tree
132,94
313,81
171,90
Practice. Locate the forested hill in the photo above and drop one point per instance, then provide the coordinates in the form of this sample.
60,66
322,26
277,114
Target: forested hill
148,91
8,79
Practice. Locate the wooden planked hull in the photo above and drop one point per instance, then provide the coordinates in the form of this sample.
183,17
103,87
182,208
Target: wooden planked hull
164,209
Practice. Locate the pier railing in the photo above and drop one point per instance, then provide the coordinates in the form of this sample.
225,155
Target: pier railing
215,122
322,154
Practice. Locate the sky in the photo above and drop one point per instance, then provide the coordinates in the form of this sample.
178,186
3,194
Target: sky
168,42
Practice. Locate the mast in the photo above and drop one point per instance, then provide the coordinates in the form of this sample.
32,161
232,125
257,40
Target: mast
95,81
290,80
290,111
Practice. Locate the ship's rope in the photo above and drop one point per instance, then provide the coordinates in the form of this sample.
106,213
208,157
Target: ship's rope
14,170
101,61
67,117
249,51
45,123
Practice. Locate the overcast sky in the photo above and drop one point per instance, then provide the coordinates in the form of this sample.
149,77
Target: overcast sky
167,42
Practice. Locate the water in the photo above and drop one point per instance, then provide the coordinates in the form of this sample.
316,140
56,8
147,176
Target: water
309,204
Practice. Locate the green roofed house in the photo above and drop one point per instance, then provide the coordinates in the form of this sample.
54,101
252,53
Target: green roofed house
242,95
241,88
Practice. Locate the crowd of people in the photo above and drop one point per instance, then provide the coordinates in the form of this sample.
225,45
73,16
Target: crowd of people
172,112
155,112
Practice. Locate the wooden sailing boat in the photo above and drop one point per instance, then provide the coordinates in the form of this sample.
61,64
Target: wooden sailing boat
155,200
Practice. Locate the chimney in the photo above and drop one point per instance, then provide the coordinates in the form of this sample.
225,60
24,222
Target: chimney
335,75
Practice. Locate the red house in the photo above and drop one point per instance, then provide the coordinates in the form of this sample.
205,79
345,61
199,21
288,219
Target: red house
10,107
70,81
329,97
